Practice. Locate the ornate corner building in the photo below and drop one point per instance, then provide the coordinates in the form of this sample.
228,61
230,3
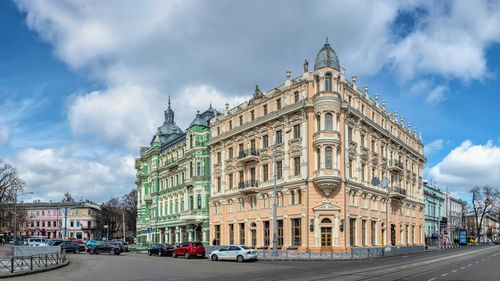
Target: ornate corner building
173,182
348,172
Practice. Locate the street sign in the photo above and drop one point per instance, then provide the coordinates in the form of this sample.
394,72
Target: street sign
149,230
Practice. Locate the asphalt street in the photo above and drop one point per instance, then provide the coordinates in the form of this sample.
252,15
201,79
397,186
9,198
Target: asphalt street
468,263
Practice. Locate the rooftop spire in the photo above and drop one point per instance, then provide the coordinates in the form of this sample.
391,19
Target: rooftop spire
169,113
326,43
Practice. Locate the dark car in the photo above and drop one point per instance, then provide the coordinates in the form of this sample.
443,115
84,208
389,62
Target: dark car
106,247
123,244
72,247
189,249
497,241
55,242
161,250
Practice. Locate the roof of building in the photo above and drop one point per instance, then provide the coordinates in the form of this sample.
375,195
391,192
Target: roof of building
327,58
204,118
169,130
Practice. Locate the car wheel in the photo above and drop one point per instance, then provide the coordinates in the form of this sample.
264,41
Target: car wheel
91,251
118,253
160,254
215,258
77,251
149,253
187,255
112,252
174,255
240,259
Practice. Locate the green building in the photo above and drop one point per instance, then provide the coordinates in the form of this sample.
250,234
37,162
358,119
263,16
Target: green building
434,211
173,182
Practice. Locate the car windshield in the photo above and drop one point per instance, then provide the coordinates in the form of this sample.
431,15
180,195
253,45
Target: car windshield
245,247
197,244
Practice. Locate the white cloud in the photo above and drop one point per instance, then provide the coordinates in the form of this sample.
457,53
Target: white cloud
433,147
436,95
49,173
468,165
4,134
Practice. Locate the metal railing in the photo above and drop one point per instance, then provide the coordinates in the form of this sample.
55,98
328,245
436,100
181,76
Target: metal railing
248,152
396,163
247,184
35,262
399,190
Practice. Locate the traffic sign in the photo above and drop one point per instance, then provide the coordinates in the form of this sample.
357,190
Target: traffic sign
149,230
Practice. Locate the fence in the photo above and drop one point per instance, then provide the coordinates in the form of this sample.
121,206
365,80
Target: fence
35,262
28,251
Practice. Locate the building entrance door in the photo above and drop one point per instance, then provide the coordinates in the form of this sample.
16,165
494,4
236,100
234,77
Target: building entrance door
326,237
172,236
197,233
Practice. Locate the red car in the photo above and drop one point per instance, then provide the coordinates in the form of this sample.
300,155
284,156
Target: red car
497,241
189,250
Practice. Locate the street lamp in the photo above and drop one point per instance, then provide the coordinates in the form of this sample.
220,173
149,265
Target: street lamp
275,192
15,213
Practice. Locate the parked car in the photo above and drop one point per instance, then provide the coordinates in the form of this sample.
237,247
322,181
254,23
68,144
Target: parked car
497,241
72,247
55,242
161,250
234,252
92,243
34,241
124,244
189,249
77,241
106,247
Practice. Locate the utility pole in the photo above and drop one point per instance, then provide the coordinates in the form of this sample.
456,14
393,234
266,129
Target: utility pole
123,214
275,206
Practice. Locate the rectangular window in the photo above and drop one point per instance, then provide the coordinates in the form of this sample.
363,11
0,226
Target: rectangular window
219,157
362,140
242,233
362,172
230,125
279,169
352,232
219,184
296,233
296,97
267,233
217,235
230,153
280,233
230,179
373,145
265,141
253,176
265,109
241,120
296,166
296,131
252,115
363,232
279,137
278,104
231,234
265,172
242,179
349,133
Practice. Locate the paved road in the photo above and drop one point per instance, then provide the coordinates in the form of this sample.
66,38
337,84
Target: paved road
469,263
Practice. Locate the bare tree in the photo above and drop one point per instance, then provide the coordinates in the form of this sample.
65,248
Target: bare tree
485,201
10,184
67,197
129,206
110,215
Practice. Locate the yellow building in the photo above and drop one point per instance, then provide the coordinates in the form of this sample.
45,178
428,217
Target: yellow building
349,173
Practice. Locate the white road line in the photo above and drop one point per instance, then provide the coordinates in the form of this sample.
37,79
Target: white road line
469,264
432,279
444,274
463,267
454,270
495,254
477,261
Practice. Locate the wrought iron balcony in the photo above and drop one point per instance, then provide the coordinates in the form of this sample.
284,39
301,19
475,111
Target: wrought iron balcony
397,193
395,165
248,155
248,186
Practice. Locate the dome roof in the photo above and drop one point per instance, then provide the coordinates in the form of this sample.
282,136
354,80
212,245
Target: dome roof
204,118
326,58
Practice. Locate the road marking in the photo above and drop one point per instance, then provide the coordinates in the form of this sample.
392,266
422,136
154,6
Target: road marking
454,270
463,267
431,279
444,274
495,254
477,261
483,259
469,264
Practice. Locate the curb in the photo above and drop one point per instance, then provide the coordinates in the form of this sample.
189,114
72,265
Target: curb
34,271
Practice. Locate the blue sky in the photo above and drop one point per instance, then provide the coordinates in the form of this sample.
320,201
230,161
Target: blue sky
83,85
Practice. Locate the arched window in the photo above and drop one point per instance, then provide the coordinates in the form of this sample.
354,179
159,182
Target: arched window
325,220
328,82
328,122
328,157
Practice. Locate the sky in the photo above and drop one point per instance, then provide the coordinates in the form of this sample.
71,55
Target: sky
83,84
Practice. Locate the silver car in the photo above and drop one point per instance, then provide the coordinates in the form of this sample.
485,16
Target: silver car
234,252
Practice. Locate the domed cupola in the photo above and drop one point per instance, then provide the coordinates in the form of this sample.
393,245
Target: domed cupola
327,58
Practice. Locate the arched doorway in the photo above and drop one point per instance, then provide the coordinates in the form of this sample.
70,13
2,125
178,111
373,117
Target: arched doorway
326,227
253,234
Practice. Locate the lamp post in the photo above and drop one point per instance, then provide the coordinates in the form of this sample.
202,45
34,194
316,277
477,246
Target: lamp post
15,213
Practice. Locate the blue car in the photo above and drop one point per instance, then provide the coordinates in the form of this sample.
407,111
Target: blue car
92,243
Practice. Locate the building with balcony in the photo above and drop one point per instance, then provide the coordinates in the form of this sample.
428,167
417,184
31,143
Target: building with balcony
454,218
348,172
173,182
434,213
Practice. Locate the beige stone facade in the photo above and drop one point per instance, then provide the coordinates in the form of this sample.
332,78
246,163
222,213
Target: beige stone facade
331,140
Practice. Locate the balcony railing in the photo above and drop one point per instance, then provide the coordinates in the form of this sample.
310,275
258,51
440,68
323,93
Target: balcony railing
395,165
397,192
248,186
248,155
